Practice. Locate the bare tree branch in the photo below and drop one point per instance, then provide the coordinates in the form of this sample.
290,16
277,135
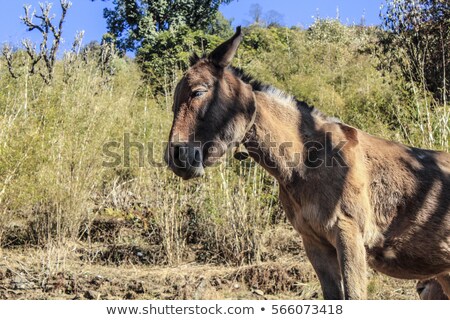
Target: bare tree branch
30,49
28,19
47,29
77,42
8,54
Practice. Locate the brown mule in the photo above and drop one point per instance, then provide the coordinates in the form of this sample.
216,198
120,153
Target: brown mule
356,199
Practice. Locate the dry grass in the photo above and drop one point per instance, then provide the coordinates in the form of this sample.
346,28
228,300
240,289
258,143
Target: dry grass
64,274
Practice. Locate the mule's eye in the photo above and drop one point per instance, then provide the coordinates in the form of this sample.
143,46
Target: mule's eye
198,93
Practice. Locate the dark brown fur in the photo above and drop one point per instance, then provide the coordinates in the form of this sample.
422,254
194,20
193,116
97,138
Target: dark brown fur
356,199
430,290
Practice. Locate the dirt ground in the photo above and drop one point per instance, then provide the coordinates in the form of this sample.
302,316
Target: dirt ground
108,270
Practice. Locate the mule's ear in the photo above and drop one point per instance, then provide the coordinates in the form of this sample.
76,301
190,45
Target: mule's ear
193,59
224,54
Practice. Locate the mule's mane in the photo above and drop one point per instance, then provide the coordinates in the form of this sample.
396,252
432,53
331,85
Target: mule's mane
279,94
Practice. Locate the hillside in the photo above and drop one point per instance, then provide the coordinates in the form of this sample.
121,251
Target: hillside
88,209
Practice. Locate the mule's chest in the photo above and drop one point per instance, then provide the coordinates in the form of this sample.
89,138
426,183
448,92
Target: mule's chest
307,216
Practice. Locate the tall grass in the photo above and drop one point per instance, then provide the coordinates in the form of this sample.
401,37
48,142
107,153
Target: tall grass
51,143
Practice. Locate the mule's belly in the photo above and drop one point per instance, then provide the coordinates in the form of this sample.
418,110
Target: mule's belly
414,249
405,263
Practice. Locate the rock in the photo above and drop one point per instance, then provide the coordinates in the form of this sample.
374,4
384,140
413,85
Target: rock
258,292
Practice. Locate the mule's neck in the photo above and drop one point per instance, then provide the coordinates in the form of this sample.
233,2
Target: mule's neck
276,139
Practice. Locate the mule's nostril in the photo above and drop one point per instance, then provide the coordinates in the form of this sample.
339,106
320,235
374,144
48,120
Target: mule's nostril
198,156
176,152
178,157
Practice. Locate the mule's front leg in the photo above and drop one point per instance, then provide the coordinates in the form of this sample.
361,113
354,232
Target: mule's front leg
352,259
322,256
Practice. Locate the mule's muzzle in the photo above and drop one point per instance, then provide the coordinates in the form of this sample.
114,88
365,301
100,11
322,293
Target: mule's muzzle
185,159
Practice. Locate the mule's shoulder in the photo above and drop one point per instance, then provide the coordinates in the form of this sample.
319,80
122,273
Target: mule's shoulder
350,133
338,133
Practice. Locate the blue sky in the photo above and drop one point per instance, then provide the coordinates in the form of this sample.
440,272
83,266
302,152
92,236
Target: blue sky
88,16
83,15
301,12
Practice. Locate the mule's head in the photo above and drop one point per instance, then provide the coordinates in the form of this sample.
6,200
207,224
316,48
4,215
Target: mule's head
212,109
